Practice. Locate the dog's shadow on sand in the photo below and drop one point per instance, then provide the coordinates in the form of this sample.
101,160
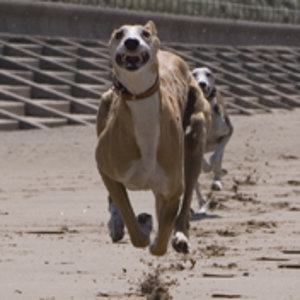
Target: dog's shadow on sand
199,216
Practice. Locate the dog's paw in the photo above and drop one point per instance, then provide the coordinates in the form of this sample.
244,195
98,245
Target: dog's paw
145,221
180,243
155,250
115,224
216,185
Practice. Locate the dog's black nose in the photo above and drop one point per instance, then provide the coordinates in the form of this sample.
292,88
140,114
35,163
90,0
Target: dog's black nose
132,44
202,84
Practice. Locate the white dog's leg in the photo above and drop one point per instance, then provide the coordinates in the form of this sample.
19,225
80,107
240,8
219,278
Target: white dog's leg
201,200
206,167
216,163
115,223
145,221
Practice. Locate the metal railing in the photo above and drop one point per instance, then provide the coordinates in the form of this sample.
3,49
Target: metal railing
204,8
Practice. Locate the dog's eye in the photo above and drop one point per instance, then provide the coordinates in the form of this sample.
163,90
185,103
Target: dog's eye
208,74
119,35
146,34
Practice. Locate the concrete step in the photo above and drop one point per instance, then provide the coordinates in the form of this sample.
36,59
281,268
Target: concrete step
28,75
235,78
258,77
15,107
252,67
248,102
37,49
95,87
60,105
292,68
241,89
21,90
273,101
294,100
14,51
98,74
6,64
98,61
232,67
19,40
279,77
7,124
290,58
65,89
63,60
271,67
50,51
39,93
287,88
95,102
32,62
70,49
233,107
88,64
62,74
57,42
89,43
86,77
18,50
91,53
86,117
49,122
49,65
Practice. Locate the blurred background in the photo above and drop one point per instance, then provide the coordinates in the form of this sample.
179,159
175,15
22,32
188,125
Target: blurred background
54,63
283,11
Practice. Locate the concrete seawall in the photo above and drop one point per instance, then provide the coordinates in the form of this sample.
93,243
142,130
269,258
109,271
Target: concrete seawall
53,19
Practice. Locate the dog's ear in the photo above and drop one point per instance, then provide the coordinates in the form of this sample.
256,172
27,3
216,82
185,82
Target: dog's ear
151,27
112,37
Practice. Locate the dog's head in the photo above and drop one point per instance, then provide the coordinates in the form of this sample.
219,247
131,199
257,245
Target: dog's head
205,80
133,47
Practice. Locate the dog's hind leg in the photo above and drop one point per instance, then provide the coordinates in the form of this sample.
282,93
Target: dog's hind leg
206,167
195,139
201,200
139,228
216,163
115,223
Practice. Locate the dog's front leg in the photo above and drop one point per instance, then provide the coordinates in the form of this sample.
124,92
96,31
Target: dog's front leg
226,127
195,141
166,211
216,163
203,204
138,228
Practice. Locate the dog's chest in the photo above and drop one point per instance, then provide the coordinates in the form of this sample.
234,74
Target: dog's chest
145,172
145,117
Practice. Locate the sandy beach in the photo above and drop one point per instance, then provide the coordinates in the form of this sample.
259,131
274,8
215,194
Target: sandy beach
54,242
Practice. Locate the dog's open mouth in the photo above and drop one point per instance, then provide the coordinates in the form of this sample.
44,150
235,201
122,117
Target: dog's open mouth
132,62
